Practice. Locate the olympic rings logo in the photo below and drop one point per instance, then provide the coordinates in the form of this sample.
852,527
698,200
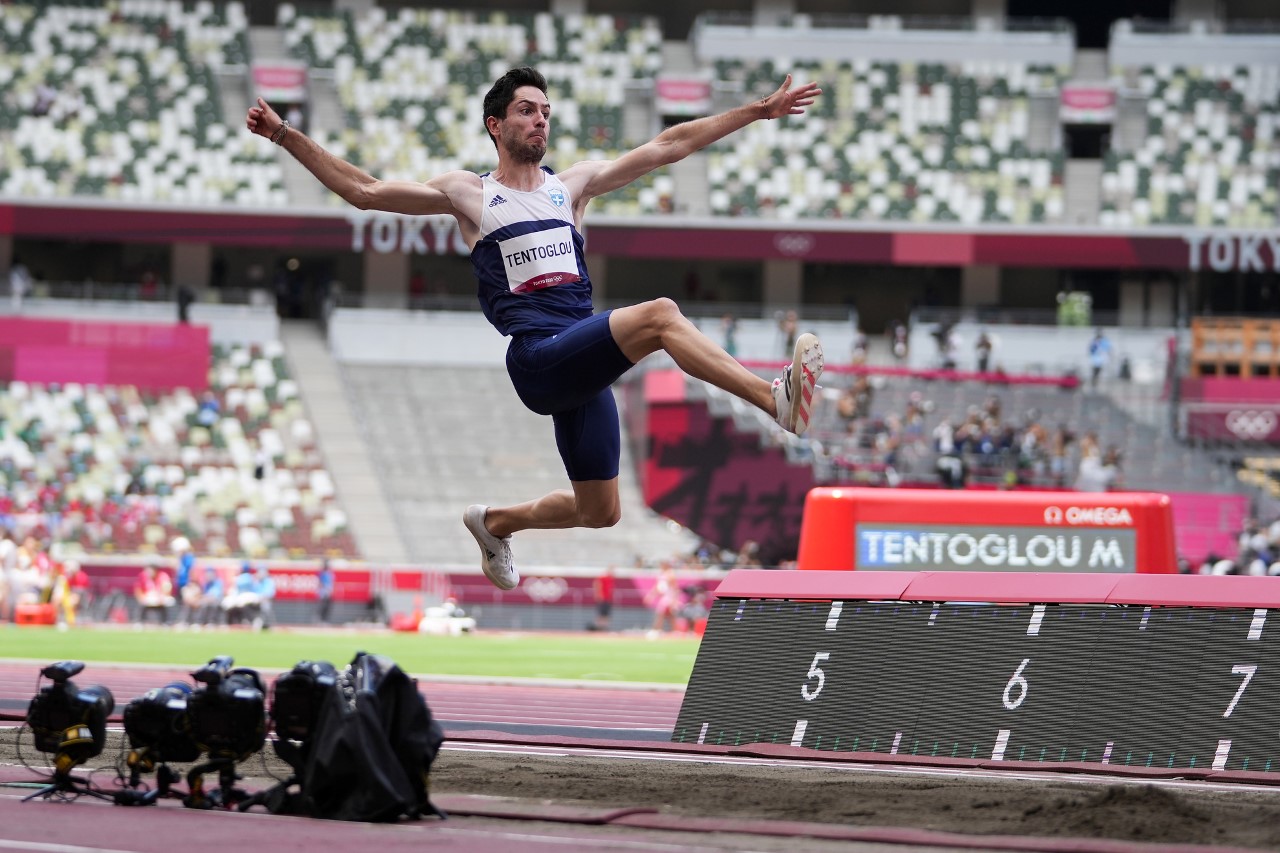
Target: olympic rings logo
545,590
793,244
1251,424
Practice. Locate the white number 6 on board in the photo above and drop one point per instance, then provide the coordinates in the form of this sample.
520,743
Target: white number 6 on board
1020,683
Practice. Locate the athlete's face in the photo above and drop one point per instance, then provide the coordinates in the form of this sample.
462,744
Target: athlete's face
523,132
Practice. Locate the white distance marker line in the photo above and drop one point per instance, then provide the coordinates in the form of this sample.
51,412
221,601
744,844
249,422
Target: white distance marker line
1037,616
47,847
797,737
1255,627
1220,757
1002,741
833,618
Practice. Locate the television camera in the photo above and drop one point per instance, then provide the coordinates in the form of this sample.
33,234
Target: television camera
70,722
226,720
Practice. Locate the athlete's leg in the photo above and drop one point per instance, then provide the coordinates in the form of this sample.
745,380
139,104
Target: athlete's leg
591,503
659,325
590,443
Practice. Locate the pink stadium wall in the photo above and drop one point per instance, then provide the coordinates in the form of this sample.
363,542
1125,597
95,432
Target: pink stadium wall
151,356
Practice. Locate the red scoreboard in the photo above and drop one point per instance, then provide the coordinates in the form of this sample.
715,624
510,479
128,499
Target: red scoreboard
932,530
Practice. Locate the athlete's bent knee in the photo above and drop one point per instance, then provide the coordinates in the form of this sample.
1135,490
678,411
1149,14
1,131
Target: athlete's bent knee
601,518
664,309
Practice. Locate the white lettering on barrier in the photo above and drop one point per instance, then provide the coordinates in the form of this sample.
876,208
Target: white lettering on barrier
1106,553
1109,516
912,548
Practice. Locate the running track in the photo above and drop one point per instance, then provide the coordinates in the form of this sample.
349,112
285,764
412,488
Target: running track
584,721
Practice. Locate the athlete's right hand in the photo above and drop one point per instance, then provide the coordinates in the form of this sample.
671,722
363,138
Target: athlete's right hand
262,120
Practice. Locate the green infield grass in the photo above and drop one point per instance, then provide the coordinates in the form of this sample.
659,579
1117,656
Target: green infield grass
585,657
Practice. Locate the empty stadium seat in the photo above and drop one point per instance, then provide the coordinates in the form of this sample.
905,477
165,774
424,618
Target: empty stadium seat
113,468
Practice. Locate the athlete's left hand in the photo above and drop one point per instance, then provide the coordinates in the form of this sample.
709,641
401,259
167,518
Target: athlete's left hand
788,101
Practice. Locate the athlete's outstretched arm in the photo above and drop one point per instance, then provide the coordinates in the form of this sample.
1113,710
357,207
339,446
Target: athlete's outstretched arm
677,142
356,186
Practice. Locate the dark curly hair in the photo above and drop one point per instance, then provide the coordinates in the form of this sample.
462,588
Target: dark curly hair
503,93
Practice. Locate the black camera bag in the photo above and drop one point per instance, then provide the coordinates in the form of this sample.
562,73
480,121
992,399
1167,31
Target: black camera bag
369,757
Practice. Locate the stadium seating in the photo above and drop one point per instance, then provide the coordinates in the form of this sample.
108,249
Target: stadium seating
1210,156
121,100
411,83
896,141
113,469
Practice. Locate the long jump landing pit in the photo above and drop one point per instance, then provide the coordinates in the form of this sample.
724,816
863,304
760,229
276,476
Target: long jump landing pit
616,783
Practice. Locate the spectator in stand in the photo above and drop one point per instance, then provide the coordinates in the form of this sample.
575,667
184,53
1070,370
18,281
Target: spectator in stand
154,593
897,334
953,472
185,297
748,555
788,325
1099,473
983,347
729,325
19,283
860,346
324,591
1099,356
603,593
209,411
1057,452
1257,553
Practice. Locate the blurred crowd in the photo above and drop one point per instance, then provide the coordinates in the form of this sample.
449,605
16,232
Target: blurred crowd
1257,553
32,575
982,446
39,585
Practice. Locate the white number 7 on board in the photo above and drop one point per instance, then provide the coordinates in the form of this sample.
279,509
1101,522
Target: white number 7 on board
1247,670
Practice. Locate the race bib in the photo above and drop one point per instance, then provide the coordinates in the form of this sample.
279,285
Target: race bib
541,259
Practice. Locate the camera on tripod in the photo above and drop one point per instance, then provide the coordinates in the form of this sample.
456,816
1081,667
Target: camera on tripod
155,724
70,722
297,697
226,717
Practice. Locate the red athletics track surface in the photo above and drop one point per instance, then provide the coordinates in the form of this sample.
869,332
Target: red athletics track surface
587,722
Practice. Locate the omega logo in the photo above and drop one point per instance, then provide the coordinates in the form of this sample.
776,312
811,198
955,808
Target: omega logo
1097,515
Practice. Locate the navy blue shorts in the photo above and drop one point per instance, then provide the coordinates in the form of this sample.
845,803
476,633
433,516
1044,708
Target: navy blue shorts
568,376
